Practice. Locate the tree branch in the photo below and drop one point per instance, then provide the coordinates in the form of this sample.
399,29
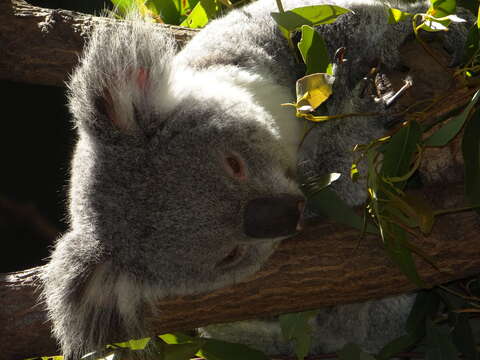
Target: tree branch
326,265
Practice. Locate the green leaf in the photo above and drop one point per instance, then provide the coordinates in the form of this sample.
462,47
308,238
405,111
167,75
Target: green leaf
447,132
439,345
308,15
314,52
395,16
295,327
124,5
169,10
400,150
353,352
425,307
202,13
471,158
472,44
328,203
221,350
396,346
463,337
136,344
176,338
395,239
441,8
423,212
184,351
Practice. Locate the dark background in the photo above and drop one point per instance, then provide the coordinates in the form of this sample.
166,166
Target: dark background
36,144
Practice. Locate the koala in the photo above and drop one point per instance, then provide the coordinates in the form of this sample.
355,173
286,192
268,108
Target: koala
184,178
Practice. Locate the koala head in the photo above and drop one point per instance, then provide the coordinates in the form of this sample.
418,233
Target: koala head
180,177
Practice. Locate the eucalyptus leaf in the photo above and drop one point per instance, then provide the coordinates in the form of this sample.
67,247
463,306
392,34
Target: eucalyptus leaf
395,239
399,152
202,13
441,8
396,346
314,52
439,345
423,211
169,10
222,350
136,344
176,338
123,5
447,132
328,203
308,15
471,45
295,327
184,351
463,337
395,16
471,158
425,307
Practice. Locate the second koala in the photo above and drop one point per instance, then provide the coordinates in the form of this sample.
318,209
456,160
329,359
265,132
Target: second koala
184,174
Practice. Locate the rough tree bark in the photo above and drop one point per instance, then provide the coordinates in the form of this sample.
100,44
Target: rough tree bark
326,265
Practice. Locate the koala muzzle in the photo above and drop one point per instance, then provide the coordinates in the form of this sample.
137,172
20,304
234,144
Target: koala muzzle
273,217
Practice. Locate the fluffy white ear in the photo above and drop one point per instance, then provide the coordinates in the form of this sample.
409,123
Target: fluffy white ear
123,78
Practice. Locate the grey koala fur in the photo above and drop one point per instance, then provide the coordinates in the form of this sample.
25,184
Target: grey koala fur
183,160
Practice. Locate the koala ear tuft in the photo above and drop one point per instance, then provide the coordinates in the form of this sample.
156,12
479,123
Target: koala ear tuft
122,84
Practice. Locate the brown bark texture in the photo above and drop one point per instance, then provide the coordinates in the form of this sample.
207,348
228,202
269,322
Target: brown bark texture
328,264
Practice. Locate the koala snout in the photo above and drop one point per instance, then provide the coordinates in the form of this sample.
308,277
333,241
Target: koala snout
273,217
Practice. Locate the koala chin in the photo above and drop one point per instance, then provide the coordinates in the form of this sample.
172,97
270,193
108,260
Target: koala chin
184,176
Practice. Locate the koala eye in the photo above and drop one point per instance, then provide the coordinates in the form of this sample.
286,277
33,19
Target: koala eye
235,166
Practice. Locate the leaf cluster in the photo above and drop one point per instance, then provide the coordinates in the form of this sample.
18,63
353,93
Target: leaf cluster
187,13
398,216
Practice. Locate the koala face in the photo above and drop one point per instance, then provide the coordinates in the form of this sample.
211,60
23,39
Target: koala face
229,193
187,183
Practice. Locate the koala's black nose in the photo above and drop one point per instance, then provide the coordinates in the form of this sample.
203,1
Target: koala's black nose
272,217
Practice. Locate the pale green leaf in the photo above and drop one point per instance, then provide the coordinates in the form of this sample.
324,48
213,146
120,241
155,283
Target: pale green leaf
314,51
395,16
295,327
399,152
448,131
202,13
308,15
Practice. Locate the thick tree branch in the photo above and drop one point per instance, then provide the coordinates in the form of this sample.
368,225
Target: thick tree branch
326,265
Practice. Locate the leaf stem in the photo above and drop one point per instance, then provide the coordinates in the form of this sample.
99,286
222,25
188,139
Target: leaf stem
280,6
